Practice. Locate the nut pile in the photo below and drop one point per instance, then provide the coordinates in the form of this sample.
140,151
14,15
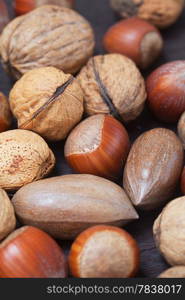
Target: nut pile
65,93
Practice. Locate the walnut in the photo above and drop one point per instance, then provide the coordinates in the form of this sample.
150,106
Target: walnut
24,157
47,101
169,230
64,3
5,113
112,84
47,36
174,272
161,13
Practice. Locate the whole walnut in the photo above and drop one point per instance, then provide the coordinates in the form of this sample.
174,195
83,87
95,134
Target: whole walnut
47,36
47,101
161,13
112,84
174,272
24,157
5,113
169,230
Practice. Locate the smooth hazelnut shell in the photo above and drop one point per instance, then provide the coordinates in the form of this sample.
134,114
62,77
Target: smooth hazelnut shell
108,158
107,264
31,253
5,114
166,91
136,39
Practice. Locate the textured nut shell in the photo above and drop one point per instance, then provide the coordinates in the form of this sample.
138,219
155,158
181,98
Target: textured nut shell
153,168
174,272
181,129
34,40
34,89
5,114
121,79
169,230
24,157
7,216
64,3
66,205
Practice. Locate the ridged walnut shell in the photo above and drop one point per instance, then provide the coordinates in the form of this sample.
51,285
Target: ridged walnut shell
7,215
169,230
161,13
153,168
5,113
47,36
174,272
66,205
47,101
112,84
24,157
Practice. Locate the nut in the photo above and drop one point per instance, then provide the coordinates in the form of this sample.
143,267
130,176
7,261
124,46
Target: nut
43,46
104,252
181,129
47,101
99,145
153,168
183,182
66,205
119,92
174,272
135,38
160,13
37,255
24,157
166,91
4,18
5,114
7,216
169,230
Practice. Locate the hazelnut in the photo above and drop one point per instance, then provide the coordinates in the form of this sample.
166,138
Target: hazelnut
112,84
99,145
183,182
166,91
161,13
181,128
43,46
5,114
24,157
169,230
47,101
104,252
136,39
174,272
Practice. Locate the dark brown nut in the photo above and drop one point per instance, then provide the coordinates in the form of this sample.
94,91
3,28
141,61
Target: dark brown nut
169,230
174,272
43,46
153,168
161,13
24,157
5,114
7,215
47,101
112,84
66,205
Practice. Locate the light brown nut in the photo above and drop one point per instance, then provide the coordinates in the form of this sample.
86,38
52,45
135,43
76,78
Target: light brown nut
153,168
7,215
5,113
174,272
64,3
47,101
58,37
24,157
112,84
169,230
161,13
66,205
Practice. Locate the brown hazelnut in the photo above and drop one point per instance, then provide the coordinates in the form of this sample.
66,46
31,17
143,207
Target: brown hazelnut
181,129
135,38
47,101
174,272
43,46
112,84
169,230
183,182
5,114
161,13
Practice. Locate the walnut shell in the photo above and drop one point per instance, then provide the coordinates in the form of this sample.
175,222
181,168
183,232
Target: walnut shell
5,113
112,84
64,3
161,13
47,101
174,272
7,215
169,230
24,157
47,36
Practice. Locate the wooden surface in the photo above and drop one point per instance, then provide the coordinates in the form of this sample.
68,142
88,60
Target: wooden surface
101,17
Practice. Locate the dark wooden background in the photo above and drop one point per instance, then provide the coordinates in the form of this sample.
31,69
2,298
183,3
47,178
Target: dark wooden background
101,17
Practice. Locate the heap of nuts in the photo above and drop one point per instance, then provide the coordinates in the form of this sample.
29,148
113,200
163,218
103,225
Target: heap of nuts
63,92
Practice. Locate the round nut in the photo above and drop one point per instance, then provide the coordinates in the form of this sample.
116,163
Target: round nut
174,272
24,157
47,101
5,114
119,92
